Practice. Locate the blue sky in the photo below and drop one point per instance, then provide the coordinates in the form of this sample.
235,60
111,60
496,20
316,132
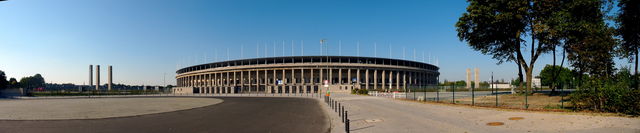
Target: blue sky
144,40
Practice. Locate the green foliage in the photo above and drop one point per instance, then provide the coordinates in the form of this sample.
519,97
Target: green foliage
360,91
607,95
589,40
3,80
628,21
501,28
31,82
563,76
13,83
93,93
456,83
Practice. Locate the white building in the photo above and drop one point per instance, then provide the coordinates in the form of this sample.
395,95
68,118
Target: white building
535,83
501,85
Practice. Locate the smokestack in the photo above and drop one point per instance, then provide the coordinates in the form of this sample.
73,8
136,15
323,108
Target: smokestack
477,78
110,77
90,75
97,77
468,79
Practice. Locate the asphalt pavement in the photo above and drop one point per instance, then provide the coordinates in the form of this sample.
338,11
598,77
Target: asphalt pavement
234,115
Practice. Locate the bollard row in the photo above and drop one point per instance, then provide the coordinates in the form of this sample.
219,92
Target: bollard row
339,108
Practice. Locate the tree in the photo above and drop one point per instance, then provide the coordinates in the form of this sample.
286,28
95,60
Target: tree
13,83
31,82
3,80
589,42
500,28
628,21
562,77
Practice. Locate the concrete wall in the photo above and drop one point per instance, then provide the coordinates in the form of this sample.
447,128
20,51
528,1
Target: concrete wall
12,92
182,90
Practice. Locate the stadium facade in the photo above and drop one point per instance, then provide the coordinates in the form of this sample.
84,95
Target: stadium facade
305,74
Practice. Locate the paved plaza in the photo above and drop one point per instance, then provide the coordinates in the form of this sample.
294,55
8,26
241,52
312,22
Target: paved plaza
233,115
383,115
304,113
95,108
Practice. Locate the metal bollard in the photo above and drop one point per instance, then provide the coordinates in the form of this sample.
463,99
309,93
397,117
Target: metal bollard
339,110
343,114
346,125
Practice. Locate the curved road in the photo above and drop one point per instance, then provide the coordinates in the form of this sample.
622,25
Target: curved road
235,114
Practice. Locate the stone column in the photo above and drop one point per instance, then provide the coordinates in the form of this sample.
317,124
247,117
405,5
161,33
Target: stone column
97,77
330,76
468,79
200,83
398,80
214,82
358,78
235,83
304,82
404,80
366,76
375,79
477,78
349,79
266,81
384,80
90,75
312,80
284,82
321,77
274,82
293,80
110,77
340,78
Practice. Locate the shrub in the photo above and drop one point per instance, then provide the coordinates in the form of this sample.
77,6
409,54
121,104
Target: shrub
360,91
607,95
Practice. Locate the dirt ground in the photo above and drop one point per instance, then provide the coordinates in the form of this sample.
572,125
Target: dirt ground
535,101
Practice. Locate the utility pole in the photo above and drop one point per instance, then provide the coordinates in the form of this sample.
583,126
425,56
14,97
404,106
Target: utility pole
390,55
292,45
358,48
375,49
403,53
340,47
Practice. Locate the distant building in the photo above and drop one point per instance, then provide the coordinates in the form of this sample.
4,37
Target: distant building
501,85
535,83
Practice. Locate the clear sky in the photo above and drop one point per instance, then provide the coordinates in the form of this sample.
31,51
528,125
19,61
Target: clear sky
144,40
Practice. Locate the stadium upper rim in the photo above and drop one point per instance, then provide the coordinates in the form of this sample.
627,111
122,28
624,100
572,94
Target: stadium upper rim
308,59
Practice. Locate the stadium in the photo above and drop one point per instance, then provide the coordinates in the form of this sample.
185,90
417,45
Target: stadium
305,74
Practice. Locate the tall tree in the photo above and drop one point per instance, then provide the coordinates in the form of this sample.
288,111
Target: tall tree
501,27
3,80
628,21
589,40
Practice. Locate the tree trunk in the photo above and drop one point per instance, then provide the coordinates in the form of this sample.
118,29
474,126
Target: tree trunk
529,76
635,74
520,78
555,73
562,61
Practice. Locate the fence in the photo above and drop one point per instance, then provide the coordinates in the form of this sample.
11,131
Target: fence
536,98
